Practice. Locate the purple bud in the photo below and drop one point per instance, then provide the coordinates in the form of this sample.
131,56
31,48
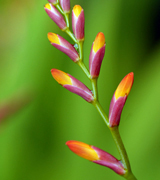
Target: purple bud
63,45
55,15
96,55
78,22
65,4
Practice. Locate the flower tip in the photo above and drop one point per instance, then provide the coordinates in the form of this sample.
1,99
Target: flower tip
83,150
77,10
99,41
125,85
48,6
53,38
61,77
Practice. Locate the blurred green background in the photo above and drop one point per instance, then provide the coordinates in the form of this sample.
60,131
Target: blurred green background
38,116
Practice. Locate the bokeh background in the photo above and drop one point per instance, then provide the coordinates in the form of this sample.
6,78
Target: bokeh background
37,116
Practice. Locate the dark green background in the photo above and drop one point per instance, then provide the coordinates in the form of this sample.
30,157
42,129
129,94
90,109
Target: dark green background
32,140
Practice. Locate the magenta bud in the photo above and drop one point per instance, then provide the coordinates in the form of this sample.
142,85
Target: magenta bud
53,1
96,55
65,4
119,98
72,84
55,15
63,45
96,155
78,22
106,159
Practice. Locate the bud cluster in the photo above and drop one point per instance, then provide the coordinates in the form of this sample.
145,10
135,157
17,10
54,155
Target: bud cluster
58,11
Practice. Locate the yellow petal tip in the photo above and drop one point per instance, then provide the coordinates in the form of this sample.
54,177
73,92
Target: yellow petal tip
99,41
53,38
48,6
124,86
83,150
77,10
61,77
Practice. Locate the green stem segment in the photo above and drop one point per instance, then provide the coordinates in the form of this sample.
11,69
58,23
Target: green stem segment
118,141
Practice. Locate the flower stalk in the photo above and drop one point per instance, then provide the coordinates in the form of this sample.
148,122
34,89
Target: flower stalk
60,15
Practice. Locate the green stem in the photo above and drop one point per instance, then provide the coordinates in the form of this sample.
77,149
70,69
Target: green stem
59,8
101,112
66,15
71,35
94,88
120,147
84,68
118,141
80,44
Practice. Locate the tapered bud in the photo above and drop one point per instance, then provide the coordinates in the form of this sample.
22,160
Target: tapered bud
55,15
96,155
96,55
65,4
72,84
119,99
53,1
78,22
63,45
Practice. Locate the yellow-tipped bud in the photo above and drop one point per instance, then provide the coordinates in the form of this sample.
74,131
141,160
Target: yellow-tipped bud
99,42
53,38
125,86
61,77
83,150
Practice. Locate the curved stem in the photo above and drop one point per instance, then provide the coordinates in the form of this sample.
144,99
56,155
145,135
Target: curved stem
114,130
70,34
101,112
94,87
84,68
118,141
59,9
120,147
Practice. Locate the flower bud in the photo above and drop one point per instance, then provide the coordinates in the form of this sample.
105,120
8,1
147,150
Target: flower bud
63,45
72,84
119,98
96,155
78,22
55,15
65,4
96,55
53,1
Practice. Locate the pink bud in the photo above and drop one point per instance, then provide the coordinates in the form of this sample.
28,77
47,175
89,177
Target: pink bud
63,45
96,155
96,55
65,4
72,84
78,22
55,15
119,98
53,1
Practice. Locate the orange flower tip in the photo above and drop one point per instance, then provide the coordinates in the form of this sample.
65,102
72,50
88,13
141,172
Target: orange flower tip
77,10
125,85
53,38
61,77
48,6
99,41
83,150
